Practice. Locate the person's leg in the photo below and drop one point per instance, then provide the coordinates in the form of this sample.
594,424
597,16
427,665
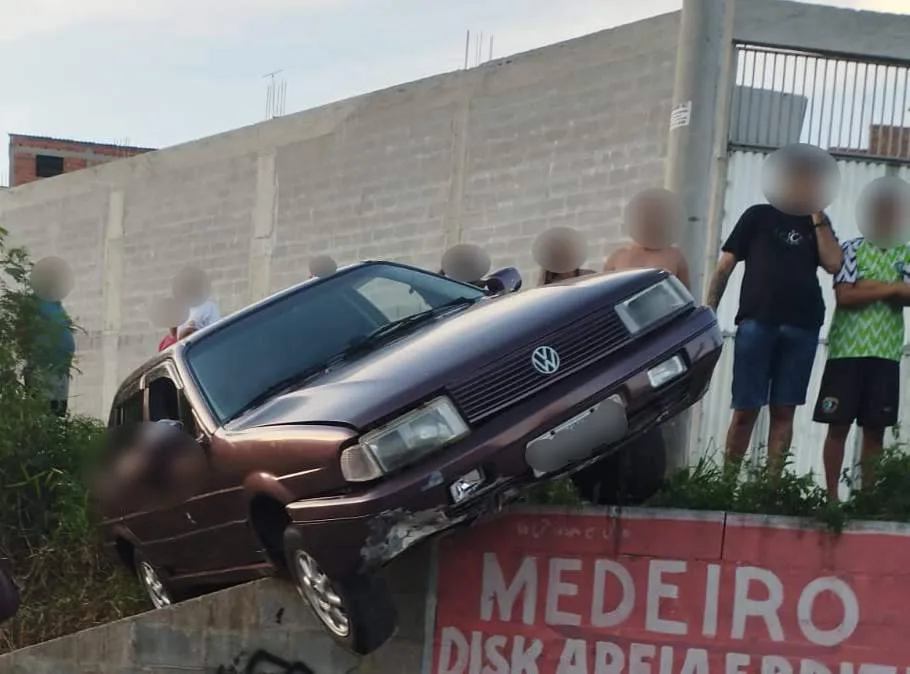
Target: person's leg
833,457
838,404
752,356
879,410
780,436
872,445
791,371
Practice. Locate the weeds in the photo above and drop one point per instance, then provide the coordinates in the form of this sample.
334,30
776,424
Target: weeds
707,486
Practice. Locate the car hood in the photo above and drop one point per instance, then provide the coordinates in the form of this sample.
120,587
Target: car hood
413,368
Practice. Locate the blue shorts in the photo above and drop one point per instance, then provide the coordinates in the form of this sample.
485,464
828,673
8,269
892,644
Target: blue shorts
772,364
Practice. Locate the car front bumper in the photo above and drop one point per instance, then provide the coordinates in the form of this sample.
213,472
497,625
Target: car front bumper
569,425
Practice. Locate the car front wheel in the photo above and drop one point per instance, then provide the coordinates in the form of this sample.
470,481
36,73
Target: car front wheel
154,582
357,611
628,476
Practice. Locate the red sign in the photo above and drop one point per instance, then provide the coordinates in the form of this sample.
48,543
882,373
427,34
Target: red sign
670,593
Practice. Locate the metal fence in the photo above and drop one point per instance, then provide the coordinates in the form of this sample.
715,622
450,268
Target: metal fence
848,107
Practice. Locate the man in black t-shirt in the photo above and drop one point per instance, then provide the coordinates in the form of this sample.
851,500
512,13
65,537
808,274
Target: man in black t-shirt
781,309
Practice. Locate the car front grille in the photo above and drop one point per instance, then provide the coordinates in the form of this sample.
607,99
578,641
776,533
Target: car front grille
513,378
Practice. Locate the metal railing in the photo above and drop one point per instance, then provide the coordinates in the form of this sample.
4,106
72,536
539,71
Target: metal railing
846,106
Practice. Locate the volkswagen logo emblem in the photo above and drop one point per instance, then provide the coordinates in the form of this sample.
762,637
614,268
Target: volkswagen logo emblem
545,359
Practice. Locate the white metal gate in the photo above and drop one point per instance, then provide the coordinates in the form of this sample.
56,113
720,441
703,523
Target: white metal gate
744,190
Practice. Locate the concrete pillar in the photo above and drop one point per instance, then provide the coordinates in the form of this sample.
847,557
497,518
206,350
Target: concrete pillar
452,223
705,36
262,241
111,297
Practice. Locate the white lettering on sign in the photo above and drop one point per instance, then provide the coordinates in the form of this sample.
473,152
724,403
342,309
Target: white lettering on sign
554,592
681,115
557,588
659,590
848,601
623,608
494,589
757,596
480,653
745,606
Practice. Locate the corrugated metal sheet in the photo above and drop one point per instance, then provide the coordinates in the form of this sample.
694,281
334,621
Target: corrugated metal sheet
744,190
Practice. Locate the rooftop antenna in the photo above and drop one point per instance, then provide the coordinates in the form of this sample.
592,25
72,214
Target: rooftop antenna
275,95
490,57
467,47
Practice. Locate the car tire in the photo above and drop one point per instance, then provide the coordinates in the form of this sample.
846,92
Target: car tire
357,610
628,476
154,582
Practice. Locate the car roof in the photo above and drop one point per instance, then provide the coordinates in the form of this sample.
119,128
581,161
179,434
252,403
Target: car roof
180,346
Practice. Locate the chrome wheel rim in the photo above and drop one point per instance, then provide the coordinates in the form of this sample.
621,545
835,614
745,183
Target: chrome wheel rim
153,585
316,588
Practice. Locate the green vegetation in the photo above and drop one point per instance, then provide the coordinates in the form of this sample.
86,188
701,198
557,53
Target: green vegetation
706,486
46,529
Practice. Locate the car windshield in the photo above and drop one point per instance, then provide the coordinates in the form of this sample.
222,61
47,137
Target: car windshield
255,355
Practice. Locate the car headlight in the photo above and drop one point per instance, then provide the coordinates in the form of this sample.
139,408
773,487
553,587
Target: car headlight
404,440
653,304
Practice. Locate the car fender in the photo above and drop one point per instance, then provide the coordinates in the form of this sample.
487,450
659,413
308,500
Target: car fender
262,483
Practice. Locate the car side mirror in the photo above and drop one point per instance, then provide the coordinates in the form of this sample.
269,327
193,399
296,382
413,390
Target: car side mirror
506,280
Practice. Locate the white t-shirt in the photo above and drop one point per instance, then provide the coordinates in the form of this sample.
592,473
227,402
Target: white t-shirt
203,315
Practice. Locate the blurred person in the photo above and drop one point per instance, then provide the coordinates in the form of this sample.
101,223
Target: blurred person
652,220
322,266
861,381
781,310
192,287
467,263
168,313
51,359
560,253
168,340
156,457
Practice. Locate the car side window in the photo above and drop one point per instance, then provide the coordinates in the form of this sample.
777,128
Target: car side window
166,401
130,410
392,298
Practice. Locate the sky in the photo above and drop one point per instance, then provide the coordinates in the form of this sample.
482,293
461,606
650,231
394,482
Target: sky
159,72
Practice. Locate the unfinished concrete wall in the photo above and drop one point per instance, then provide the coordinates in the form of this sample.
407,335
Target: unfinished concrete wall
558,136
238,630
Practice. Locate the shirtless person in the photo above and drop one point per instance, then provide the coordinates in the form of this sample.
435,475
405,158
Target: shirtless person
651,218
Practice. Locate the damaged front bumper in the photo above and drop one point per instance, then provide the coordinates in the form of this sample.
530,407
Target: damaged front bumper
362,530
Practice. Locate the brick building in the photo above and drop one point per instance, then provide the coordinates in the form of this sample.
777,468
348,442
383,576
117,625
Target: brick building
35,157
885,140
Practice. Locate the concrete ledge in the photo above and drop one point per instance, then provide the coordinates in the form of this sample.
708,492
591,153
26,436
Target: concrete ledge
222,632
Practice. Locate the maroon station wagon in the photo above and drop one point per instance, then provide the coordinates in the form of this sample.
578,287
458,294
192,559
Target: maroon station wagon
322,431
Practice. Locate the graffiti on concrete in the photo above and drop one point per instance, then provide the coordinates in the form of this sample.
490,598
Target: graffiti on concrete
263,662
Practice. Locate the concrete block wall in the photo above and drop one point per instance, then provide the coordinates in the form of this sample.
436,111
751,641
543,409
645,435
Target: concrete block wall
563,135
221,633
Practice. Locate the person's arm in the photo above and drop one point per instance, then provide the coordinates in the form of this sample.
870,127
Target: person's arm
735,248
186,330
682,270
720,279
861,293
851,290
901,296
830,253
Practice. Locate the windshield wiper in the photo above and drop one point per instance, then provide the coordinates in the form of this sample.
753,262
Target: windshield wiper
402,324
